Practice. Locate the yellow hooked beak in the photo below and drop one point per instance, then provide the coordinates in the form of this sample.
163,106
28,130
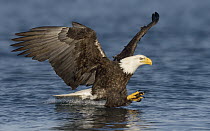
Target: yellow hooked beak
147,61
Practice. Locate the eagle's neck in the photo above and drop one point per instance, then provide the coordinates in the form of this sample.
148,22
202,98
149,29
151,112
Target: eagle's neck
129,65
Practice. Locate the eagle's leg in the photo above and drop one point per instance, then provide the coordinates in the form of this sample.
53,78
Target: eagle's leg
137,96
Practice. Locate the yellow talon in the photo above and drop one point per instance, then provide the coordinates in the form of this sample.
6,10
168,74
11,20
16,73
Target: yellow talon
135,96
138,99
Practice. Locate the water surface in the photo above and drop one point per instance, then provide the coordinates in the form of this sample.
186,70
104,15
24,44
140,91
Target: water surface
177,85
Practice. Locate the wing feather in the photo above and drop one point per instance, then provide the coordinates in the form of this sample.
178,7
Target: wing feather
73,52
35,42
131,46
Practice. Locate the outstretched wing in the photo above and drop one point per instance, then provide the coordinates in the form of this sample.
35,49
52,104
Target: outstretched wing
73,52
130,48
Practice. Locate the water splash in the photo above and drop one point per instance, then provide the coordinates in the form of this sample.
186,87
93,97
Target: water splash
75,101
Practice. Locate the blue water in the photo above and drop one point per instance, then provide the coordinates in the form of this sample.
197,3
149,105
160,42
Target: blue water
177,85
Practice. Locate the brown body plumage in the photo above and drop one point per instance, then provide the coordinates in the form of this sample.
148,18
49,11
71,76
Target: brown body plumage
110,84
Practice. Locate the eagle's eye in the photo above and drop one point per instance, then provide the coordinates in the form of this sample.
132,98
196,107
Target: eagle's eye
141,58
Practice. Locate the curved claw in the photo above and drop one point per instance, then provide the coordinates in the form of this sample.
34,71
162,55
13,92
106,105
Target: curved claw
138,99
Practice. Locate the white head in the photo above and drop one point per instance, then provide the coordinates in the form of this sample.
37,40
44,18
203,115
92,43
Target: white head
130,64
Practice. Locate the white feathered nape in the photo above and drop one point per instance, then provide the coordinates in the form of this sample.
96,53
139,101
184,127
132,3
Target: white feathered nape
130,64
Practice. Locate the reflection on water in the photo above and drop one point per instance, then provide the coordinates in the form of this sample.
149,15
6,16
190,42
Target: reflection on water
96,117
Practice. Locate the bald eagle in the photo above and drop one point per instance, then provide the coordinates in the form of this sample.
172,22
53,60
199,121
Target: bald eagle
77,57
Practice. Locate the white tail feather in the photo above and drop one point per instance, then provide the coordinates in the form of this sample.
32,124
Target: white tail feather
84,94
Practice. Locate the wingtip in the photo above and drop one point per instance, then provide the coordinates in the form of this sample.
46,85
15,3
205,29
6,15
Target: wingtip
155,17
12,44
18,34
13,39
78,25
